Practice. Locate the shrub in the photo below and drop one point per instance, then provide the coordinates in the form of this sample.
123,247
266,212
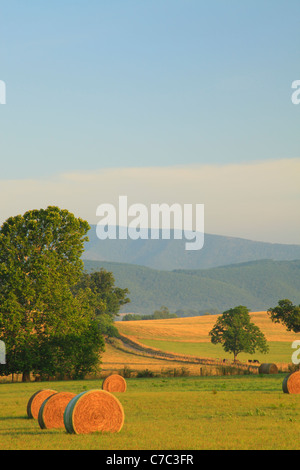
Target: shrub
181,372
127,372
145,373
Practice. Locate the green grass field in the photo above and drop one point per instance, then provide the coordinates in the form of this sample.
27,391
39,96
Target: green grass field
186,413
280,351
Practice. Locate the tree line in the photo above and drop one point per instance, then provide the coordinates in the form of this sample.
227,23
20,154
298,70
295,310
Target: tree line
163,313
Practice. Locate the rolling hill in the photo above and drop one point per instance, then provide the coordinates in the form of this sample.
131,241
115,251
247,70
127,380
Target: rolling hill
258,285
171,254
190,336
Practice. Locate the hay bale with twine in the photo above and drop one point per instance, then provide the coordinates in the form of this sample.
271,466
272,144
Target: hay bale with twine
268,369
94,411
51,413
114,383
291,383
36,400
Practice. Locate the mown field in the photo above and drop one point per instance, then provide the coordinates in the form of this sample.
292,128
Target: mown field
186,413
190,336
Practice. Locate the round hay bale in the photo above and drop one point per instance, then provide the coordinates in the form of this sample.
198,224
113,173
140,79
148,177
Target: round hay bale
268,369
51,414
93,411
36,400
291,383
114,383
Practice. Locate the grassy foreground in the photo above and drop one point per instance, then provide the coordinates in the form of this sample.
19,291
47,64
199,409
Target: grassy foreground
182,413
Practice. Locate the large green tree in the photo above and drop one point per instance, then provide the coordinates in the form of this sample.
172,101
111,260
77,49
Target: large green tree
236,333
286,313
40,262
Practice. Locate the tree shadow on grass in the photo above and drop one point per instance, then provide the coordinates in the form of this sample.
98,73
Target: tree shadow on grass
7,418
10,431
24,431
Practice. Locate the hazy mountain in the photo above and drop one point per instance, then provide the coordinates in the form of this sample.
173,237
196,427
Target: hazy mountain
257,285
171,254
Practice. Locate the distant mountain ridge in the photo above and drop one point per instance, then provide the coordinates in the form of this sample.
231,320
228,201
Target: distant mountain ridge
170,254
258,285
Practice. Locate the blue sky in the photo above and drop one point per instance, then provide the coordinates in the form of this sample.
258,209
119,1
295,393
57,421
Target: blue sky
100,84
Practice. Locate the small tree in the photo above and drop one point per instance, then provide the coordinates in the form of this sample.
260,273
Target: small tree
110,297
287,314
163,312
235,331
104,297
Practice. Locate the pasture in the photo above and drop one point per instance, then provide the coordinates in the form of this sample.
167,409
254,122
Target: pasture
186,413
190,336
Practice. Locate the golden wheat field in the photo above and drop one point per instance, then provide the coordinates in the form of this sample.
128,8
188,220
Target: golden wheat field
196,329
